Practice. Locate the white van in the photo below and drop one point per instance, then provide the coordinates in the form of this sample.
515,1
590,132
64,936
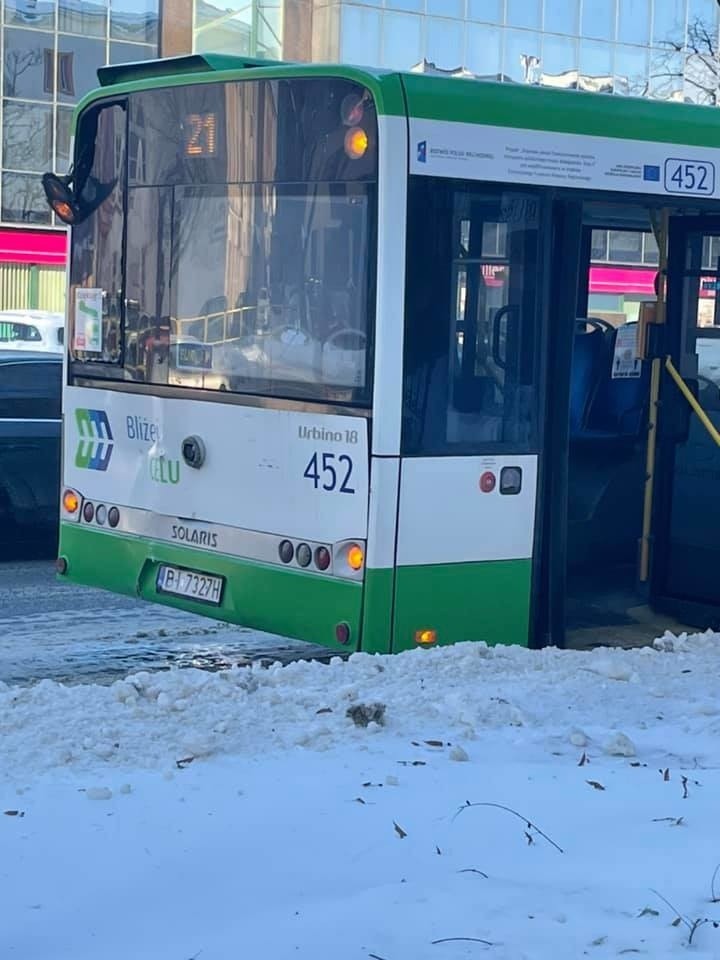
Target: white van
36,330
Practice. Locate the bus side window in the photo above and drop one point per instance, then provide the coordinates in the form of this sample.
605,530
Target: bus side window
470,318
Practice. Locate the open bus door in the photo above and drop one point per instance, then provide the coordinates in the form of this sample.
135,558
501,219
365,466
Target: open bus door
685,544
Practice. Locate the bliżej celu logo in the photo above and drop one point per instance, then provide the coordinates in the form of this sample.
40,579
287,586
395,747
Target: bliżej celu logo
95,443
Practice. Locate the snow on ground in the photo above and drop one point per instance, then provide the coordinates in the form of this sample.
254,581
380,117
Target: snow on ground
243,813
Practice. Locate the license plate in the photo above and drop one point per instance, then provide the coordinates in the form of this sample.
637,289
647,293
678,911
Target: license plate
190,583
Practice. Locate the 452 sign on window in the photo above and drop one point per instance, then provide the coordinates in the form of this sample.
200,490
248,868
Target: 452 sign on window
690,177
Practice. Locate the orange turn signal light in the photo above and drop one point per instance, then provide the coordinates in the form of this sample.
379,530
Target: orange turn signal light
356,143
426,638
355,557
70,501
63,209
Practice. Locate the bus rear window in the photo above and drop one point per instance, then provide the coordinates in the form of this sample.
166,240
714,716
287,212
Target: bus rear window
265,289
249,224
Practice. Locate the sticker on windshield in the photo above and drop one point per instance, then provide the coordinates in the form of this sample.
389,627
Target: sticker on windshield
88,320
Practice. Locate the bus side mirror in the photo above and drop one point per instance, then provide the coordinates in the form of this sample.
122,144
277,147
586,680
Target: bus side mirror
67,203
61,197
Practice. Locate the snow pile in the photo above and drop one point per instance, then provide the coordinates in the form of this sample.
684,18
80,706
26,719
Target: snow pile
436,805
151,719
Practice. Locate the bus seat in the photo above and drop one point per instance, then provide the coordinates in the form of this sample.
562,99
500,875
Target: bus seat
618,409
588,365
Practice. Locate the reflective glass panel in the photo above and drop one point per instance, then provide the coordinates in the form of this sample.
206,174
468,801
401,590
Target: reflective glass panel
669,21
701,80
232,35
78,60
62,139
131,52
524,13
444,42
402,40
446,8
28,64
560,55
483,53
269,33
634,21
598,19
631,70
23,199
135,20
703,12
666,74
490,11
39,14
562,16
27,136
412,6
521,60
360,31
596,59
86,17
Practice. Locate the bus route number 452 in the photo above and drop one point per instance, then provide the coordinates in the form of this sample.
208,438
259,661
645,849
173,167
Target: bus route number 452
331,472
689,177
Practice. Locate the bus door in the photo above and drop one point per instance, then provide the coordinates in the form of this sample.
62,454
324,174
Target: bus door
685,577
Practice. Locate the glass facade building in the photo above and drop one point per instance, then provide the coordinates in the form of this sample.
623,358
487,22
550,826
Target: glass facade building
51,50
657,48
238,26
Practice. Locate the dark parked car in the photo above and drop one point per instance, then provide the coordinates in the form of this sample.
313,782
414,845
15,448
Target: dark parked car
30,421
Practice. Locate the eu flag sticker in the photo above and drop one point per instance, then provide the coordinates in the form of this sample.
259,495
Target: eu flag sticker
651,172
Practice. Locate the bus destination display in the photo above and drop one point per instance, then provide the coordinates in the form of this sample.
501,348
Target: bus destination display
200,134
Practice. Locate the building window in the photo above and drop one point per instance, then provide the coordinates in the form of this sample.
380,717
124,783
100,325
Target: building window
38,14
23,200
65,81
27,136
25,54
84,17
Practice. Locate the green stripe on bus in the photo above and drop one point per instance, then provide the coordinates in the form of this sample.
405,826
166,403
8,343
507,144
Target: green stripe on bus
563,111
258,596
487,601
377,610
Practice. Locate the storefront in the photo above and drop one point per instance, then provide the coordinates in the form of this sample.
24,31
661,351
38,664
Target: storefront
32,269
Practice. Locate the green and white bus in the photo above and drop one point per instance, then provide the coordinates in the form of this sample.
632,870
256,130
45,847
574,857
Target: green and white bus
414,424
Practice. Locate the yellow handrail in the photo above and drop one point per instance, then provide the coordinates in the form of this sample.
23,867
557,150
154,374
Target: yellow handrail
687,393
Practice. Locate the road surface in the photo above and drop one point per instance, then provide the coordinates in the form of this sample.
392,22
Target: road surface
57,630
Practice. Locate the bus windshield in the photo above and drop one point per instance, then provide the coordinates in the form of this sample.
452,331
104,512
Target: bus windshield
239,215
